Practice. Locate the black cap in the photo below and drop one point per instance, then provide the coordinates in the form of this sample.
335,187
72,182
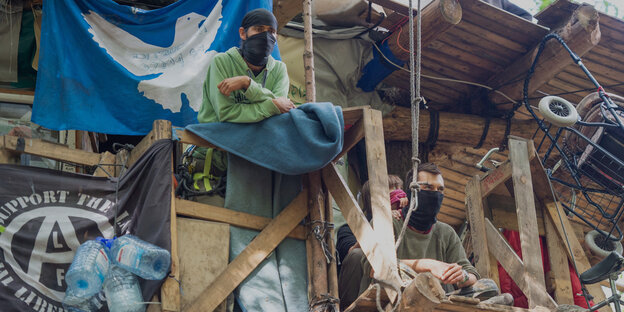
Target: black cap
259,17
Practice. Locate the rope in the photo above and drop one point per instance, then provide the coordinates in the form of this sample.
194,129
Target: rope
415,100
320,232
326,301
377,284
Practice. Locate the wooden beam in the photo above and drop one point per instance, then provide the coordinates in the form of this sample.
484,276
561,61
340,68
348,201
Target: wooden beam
381,255
161,129
476,217
352,114
574,251
559,268
50,150
495,178
170,289
107,165
259,248
378,181
462,129
189,137
527,221
285,10
505,254
516,268
317,263
504,215
201,211
581,33
351,137
437,17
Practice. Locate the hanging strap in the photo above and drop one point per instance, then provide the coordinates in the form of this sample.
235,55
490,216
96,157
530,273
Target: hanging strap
206,176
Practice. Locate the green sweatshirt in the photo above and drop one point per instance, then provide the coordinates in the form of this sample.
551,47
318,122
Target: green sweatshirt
242,106
442,244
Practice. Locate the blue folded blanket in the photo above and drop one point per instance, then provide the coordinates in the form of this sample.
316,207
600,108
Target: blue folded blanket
303,140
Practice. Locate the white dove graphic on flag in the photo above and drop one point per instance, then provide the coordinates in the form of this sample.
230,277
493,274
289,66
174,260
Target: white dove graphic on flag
180,69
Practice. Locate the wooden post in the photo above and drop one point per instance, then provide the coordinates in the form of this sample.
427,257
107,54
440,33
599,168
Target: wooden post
107,162
308,52
476,217
317,263
527,217
558,265
332,271
566,234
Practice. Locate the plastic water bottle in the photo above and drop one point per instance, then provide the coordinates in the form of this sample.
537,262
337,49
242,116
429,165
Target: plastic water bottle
122,291
72,303
88,270
140,257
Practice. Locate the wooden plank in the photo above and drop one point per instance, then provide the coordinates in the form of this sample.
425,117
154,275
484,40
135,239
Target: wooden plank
106,165
170,290
285,10
203,248
527,219
575,251
259,248
332,271
161,129
378,182
476,217
504,215
351,137
352,114
197,210
189,137
516,268
50,150
505,254
495,178
381,256
558,265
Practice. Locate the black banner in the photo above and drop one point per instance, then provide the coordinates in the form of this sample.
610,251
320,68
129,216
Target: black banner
46,214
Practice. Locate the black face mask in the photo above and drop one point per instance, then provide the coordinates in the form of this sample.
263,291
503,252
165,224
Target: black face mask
257,48
429,203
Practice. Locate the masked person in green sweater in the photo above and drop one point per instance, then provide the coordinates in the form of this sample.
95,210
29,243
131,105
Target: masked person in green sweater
247,84
428,245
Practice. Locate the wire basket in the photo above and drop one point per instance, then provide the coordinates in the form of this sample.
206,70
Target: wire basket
585,163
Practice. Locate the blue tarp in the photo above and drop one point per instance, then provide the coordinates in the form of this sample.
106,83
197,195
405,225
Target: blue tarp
114,69
305,139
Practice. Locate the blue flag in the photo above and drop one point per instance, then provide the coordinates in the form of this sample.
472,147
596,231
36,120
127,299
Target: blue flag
114,69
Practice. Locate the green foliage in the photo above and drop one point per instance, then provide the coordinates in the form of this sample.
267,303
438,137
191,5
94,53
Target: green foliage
606,6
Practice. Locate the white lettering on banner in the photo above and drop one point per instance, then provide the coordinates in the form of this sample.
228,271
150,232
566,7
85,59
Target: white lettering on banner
172,71
12,206
60,276
5,279
50,216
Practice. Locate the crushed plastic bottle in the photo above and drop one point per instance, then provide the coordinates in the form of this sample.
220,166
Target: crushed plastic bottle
88,270
72,303
140,257
122,291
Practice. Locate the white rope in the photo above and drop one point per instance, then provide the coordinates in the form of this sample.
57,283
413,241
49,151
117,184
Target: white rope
415,99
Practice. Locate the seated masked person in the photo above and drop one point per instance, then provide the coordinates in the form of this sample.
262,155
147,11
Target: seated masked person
428,245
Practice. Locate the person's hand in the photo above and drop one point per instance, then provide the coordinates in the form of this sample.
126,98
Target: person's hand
396,214
403,202
454,274
230,85
447,273
283,104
